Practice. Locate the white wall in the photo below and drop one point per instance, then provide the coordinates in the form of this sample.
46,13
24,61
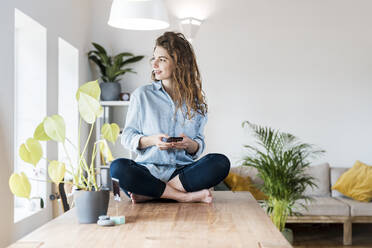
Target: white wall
67,19
300,66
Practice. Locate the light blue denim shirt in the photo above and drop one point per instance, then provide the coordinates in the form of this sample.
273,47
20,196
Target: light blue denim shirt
151,111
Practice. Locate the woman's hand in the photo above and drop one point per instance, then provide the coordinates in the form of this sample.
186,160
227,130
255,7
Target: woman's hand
154,140
157,141
190,145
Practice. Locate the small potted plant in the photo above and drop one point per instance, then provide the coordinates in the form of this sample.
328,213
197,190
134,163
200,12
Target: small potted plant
111,68
280,159
90,199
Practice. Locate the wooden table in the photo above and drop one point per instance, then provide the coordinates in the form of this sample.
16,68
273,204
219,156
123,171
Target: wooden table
232,220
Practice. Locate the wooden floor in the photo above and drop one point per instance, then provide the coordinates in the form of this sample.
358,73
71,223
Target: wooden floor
330,235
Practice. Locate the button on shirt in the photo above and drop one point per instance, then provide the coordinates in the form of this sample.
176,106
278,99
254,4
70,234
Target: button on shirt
151,111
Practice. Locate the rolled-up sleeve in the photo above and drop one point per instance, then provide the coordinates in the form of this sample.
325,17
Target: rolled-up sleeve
200,137
132,132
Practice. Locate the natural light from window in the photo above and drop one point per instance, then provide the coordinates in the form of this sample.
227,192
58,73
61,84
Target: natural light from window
68,83
30,104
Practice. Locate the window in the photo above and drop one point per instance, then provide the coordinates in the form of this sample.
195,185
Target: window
30,101
68,83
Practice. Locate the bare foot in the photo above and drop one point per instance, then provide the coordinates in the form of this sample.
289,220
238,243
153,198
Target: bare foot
139,198
200,196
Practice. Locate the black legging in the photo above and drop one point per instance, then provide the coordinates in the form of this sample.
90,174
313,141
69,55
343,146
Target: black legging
205,173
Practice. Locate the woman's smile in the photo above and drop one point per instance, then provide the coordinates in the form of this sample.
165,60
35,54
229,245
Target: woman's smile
157,72
162,64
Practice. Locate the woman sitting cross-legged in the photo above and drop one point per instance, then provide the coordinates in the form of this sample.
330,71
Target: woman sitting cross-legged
172,105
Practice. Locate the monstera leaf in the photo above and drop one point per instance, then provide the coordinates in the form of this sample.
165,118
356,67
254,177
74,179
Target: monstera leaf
110,132
56,171
55,128
31,151
105,150
91,89
89,108
40,133
19,185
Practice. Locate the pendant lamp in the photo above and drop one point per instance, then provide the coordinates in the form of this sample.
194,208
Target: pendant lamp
138,14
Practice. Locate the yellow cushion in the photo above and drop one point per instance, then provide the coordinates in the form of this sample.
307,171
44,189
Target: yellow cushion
239,183
356,182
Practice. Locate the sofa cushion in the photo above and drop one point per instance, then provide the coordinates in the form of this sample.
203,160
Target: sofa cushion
356,182
321,179
238,183
357,208
323,206
248,171
336,172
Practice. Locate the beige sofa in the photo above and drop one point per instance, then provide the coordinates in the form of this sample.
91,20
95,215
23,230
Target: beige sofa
327,206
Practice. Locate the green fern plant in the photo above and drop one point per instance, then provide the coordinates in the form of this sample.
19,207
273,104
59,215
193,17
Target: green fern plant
111,67
281,160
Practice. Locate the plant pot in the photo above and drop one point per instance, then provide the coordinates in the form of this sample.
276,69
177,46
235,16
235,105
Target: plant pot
91,204
288,234
110,91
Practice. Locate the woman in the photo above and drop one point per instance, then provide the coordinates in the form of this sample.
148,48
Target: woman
173,105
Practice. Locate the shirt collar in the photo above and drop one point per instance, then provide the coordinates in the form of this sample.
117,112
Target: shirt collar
157,85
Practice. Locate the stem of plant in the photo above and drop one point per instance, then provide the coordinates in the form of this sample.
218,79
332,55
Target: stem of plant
85,147
78,154
92,167
86,143
69,141
69,159
279,214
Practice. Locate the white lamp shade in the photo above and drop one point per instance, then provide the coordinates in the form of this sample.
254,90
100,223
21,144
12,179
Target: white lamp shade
138,14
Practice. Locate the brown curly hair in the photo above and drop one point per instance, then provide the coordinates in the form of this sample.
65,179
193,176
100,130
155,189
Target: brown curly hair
186,82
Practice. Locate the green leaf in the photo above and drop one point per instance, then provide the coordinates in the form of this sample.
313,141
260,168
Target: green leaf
40,133
104,79
100,49
105,149
98,62
131,60
91,88
110,73
55,128
102,54
89,108
56,171
281,159
19,185
31,151
122,72
121,55
110,132
118,59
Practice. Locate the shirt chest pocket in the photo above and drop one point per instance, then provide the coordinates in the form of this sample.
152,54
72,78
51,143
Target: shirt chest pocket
191,127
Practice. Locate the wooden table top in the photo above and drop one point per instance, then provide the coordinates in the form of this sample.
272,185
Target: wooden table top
232,220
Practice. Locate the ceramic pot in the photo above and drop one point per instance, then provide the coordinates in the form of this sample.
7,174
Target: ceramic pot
288,234
91,204
110,91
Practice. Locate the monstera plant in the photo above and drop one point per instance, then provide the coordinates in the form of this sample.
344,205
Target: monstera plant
52,128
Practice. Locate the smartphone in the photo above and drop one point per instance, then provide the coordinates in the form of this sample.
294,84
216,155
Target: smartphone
172,139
